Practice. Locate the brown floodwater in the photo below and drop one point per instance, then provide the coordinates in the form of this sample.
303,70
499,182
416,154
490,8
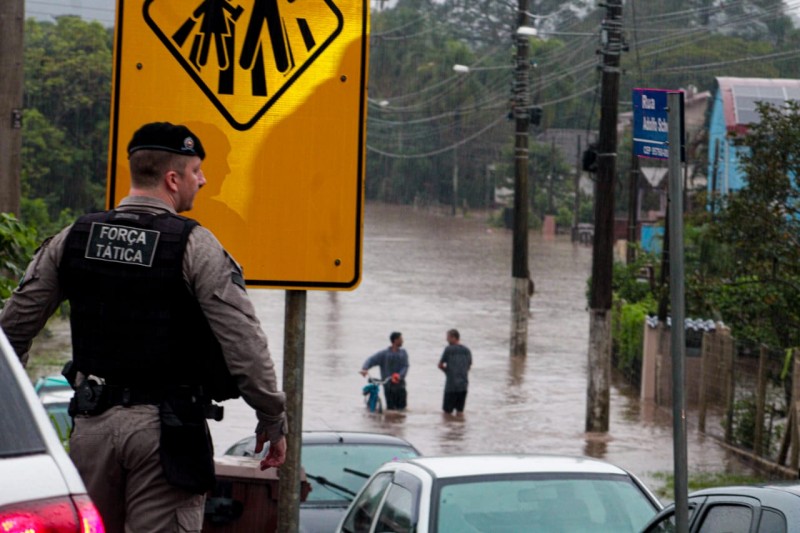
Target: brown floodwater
424,273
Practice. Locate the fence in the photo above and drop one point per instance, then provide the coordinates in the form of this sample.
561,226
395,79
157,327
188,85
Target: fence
746,395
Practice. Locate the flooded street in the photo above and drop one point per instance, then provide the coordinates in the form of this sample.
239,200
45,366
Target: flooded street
425,273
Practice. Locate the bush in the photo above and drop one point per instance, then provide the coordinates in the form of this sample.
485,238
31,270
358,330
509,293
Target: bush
629,320
17,244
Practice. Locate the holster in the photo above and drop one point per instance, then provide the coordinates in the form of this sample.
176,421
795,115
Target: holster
187,453
91,398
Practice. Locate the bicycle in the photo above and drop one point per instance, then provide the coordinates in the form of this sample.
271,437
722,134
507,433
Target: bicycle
372,394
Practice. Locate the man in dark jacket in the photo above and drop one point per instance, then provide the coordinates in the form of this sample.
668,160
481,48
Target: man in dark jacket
393,362
455,362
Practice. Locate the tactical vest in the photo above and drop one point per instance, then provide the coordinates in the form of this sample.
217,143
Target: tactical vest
134,321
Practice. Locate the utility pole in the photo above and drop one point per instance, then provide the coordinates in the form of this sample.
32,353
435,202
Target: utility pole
633,209
12,27
454,203
576,215
597,394
520,272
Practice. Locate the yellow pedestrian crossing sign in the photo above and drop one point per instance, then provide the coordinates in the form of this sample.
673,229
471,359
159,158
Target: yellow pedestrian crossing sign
244,60
276,91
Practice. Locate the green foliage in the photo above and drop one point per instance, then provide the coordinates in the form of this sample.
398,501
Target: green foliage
67,97
17,243
744,426
628,323
35,214
564,217
703,480
758,292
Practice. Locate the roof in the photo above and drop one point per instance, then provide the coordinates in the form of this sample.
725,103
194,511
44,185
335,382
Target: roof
351,437
479,465
739,97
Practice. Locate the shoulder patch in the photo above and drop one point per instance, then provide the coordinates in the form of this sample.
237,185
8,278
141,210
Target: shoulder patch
122,244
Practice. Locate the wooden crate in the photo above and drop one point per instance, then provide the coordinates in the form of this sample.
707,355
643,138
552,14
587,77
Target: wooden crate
245,498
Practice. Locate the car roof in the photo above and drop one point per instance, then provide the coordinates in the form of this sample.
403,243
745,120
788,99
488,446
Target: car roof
478,465
750,490
343,437
352,437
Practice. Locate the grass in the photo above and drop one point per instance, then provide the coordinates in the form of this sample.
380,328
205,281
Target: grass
703,480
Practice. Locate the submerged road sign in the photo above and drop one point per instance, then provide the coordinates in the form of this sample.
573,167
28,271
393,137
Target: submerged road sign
651,123
276,90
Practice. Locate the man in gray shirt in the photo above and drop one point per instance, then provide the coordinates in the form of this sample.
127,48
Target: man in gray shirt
455,362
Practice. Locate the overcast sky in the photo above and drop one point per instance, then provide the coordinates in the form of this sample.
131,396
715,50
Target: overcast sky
103,10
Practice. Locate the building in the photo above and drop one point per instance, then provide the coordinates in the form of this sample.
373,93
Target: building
733,110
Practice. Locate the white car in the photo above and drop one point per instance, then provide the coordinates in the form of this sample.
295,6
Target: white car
40,490
499,494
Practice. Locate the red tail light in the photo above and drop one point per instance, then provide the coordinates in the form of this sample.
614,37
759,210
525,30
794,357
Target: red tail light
56,515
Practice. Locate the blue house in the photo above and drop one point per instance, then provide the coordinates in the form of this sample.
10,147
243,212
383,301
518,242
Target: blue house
732,111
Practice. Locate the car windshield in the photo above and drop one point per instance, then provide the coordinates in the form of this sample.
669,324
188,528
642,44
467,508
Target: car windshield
329,461
542,502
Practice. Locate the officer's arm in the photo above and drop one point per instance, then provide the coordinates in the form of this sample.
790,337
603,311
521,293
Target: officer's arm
218,285
36,298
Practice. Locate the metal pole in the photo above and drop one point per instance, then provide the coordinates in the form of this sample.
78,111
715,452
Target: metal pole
294,346
12,26
677,340
455,182
519,266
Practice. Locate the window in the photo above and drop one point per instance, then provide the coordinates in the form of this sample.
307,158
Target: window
397,512
728,518
18,436
772,521
359,519
666,523
542,502
336,462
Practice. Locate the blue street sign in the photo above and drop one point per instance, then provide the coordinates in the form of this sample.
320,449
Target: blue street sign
651,124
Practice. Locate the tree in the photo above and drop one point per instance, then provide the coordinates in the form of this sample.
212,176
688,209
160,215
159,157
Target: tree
760,224
67,99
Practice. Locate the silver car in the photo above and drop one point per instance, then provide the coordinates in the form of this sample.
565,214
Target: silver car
40,489
500,494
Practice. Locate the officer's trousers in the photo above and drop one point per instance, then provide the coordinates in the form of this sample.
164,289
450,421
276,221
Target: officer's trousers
117,456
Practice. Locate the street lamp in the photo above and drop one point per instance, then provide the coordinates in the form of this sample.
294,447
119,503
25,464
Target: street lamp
528,31
464,69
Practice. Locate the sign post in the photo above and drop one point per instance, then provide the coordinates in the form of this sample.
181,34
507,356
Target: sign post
658,133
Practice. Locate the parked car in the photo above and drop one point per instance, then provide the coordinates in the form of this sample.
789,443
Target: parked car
337,464
757,509
41,489
52,383
56,405
499,494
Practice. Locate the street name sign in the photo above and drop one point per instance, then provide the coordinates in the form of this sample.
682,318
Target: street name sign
651,123
276,91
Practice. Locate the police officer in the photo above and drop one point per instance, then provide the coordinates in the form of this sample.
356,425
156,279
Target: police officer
161,326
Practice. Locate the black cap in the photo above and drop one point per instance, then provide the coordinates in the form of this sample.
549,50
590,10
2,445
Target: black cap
166,137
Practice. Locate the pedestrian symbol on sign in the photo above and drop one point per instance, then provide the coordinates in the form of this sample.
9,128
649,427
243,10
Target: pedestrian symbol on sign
251,49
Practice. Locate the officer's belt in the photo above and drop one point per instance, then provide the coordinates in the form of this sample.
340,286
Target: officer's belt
127,396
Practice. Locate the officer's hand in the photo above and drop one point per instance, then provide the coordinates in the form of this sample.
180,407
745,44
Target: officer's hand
362,372
396,378
276,454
